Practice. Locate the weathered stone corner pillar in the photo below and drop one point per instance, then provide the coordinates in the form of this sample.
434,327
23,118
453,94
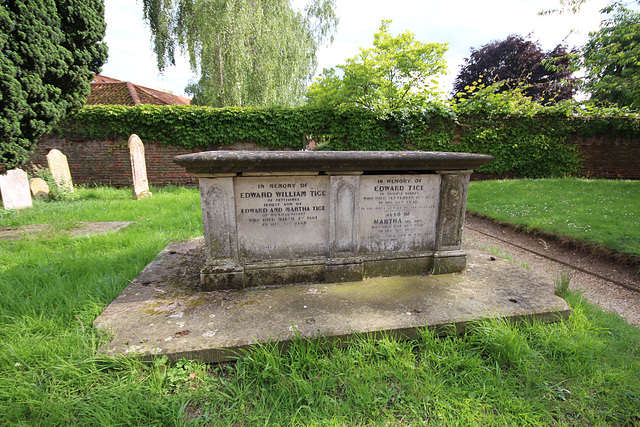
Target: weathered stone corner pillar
453,203
223,269
344,264
273,218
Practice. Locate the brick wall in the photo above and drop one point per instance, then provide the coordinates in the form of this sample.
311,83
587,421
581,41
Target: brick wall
107,162
610,157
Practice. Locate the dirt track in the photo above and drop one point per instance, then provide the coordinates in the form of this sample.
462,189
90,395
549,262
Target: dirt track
606,282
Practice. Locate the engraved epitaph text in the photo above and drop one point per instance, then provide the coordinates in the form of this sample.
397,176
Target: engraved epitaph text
398,213
282,217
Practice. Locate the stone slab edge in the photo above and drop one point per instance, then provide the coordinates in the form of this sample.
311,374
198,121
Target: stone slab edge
162,313
327,161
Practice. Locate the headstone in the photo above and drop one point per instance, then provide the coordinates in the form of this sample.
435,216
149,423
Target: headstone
59,168
292,217
14,186
138,168
39,188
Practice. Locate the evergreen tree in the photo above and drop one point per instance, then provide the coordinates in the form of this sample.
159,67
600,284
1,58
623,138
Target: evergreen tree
48,50
247,52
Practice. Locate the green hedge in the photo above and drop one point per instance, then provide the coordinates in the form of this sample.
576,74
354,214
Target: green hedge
193,126
523,146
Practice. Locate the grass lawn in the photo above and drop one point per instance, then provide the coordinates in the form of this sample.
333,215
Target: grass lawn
584,371
602,212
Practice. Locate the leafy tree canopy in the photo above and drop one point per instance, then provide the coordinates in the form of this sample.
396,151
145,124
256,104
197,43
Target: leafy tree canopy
247,52
612,59
48,50
546,76
574,6
397,72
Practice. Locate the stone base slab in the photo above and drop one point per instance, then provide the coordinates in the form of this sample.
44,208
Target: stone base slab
162,311
224,274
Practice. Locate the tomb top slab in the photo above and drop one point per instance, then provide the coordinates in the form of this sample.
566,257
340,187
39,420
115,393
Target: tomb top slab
216,162
291,217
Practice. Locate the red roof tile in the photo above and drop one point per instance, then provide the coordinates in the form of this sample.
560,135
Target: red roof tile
109,91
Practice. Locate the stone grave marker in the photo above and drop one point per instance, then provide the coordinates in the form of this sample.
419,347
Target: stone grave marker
320,223
138,168
39,188
14,186
59,168
294,217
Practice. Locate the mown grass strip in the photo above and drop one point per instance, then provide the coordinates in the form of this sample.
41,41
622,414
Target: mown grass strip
601,212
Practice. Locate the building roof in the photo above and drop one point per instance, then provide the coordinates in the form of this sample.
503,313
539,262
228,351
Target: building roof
108,91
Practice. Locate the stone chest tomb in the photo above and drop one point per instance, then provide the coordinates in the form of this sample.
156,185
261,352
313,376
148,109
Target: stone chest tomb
303,218
289,217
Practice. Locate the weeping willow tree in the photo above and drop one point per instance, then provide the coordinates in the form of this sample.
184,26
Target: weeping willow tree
246,52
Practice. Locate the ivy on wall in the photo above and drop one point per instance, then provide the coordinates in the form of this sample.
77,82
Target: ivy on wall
531,146
194,126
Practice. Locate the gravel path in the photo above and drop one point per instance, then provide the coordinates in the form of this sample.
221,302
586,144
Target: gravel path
608,284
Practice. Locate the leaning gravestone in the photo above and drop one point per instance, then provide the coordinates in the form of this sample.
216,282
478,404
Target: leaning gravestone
14,186
39,188
59,168
138,168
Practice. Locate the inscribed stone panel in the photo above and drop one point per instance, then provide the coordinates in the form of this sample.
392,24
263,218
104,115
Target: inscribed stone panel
282,217
398,213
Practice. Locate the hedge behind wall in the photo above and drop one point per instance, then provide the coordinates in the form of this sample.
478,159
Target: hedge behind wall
534,147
